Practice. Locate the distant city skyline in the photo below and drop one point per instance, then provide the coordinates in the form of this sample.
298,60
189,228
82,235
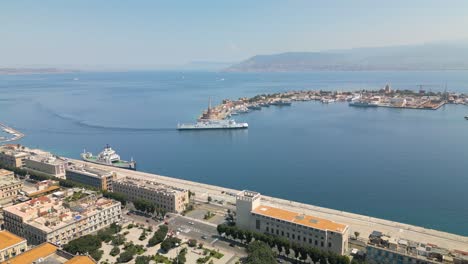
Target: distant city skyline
156,34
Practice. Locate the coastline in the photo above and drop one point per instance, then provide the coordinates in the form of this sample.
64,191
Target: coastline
361,223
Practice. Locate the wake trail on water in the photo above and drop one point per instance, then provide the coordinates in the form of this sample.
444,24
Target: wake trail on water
84,124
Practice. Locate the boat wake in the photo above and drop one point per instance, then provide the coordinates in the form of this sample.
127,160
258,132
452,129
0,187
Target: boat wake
84,124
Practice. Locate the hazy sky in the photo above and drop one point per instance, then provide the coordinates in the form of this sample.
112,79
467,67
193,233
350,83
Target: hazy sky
138,32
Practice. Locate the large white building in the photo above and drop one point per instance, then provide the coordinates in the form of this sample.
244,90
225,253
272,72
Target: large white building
169,198
299,228
59,220
46,163
9,187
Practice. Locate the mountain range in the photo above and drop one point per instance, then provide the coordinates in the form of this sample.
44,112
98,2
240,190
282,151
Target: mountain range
433,56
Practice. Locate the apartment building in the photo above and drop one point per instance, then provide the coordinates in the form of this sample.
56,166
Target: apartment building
9,187
89,175
46,163
13,155
11,245
299,228
166,197
59,220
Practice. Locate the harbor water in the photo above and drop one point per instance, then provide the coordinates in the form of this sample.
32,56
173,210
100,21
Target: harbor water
404,165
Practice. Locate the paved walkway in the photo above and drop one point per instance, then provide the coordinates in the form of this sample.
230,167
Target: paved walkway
360,223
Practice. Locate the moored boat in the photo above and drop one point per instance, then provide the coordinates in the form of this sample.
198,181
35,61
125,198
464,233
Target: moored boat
109,157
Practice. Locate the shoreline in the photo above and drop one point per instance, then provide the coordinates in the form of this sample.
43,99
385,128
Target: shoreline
400,99
361,223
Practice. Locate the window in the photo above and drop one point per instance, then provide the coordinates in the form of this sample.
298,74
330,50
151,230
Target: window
321,243
257,224
329,244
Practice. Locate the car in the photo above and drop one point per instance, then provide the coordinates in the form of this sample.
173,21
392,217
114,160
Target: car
232,245
147,221
204,237
191,223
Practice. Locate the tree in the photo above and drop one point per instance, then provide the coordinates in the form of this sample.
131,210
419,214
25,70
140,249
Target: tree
115,251
259,253
356,234
143,260
125,257
209,199
170,243
158,236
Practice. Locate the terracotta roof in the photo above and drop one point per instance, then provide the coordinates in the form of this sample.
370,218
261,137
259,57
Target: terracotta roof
300,219
8,239
81,260
49,189
41,251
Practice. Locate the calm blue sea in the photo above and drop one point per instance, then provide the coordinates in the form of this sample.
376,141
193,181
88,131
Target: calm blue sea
405,165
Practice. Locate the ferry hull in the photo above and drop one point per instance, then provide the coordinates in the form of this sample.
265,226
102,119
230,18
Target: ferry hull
128,165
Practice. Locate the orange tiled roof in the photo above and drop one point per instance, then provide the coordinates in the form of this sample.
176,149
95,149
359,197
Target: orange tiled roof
41,251
8,239
81,260
301,219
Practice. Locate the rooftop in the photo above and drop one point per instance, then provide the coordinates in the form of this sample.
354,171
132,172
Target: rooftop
49,253
150,185
4,173
42,251
8,239
90,171
47,158
300,219
49,213
5,181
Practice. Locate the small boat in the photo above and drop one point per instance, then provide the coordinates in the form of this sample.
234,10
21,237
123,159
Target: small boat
254,107
282,103
466,117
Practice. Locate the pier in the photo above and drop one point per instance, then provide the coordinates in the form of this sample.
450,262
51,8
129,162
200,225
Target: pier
16,134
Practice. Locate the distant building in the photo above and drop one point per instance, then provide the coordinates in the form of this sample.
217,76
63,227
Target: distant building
6,173
88,175
49,254
388,89
59,220
166,197
11,245
43,188
47,163
9,187
13,155
382,249
298,228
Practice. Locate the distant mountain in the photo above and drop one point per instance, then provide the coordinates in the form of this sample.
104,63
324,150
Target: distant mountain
12,71
440,56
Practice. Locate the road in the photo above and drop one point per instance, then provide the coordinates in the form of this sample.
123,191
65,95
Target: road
196,229
360,223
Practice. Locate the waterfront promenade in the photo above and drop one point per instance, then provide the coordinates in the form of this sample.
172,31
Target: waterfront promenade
360,223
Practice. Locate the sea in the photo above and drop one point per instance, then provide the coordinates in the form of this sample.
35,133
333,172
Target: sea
409,166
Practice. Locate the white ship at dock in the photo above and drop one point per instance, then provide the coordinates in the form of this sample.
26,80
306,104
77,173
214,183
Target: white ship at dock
213,124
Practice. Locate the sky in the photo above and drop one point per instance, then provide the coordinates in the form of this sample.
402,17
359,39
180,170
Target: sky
151,33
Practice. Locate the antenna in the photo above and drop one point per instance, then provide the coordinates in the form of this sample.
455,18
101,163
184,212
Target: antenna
209,102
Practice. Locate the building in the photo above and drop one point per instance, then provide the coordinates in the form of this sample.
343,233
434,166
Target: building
13,155
166,197
42,188
296,227
48,253
88,175
11,245
46,163
59,220
6,173
382,249
9,188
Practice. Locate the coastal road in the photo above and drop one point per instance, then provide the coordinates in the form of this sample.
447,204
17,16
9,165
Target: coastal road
360,223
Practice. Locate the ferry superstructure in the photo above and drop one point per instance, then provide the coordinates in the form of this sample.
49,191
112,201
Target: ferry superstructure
213,124
110,158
